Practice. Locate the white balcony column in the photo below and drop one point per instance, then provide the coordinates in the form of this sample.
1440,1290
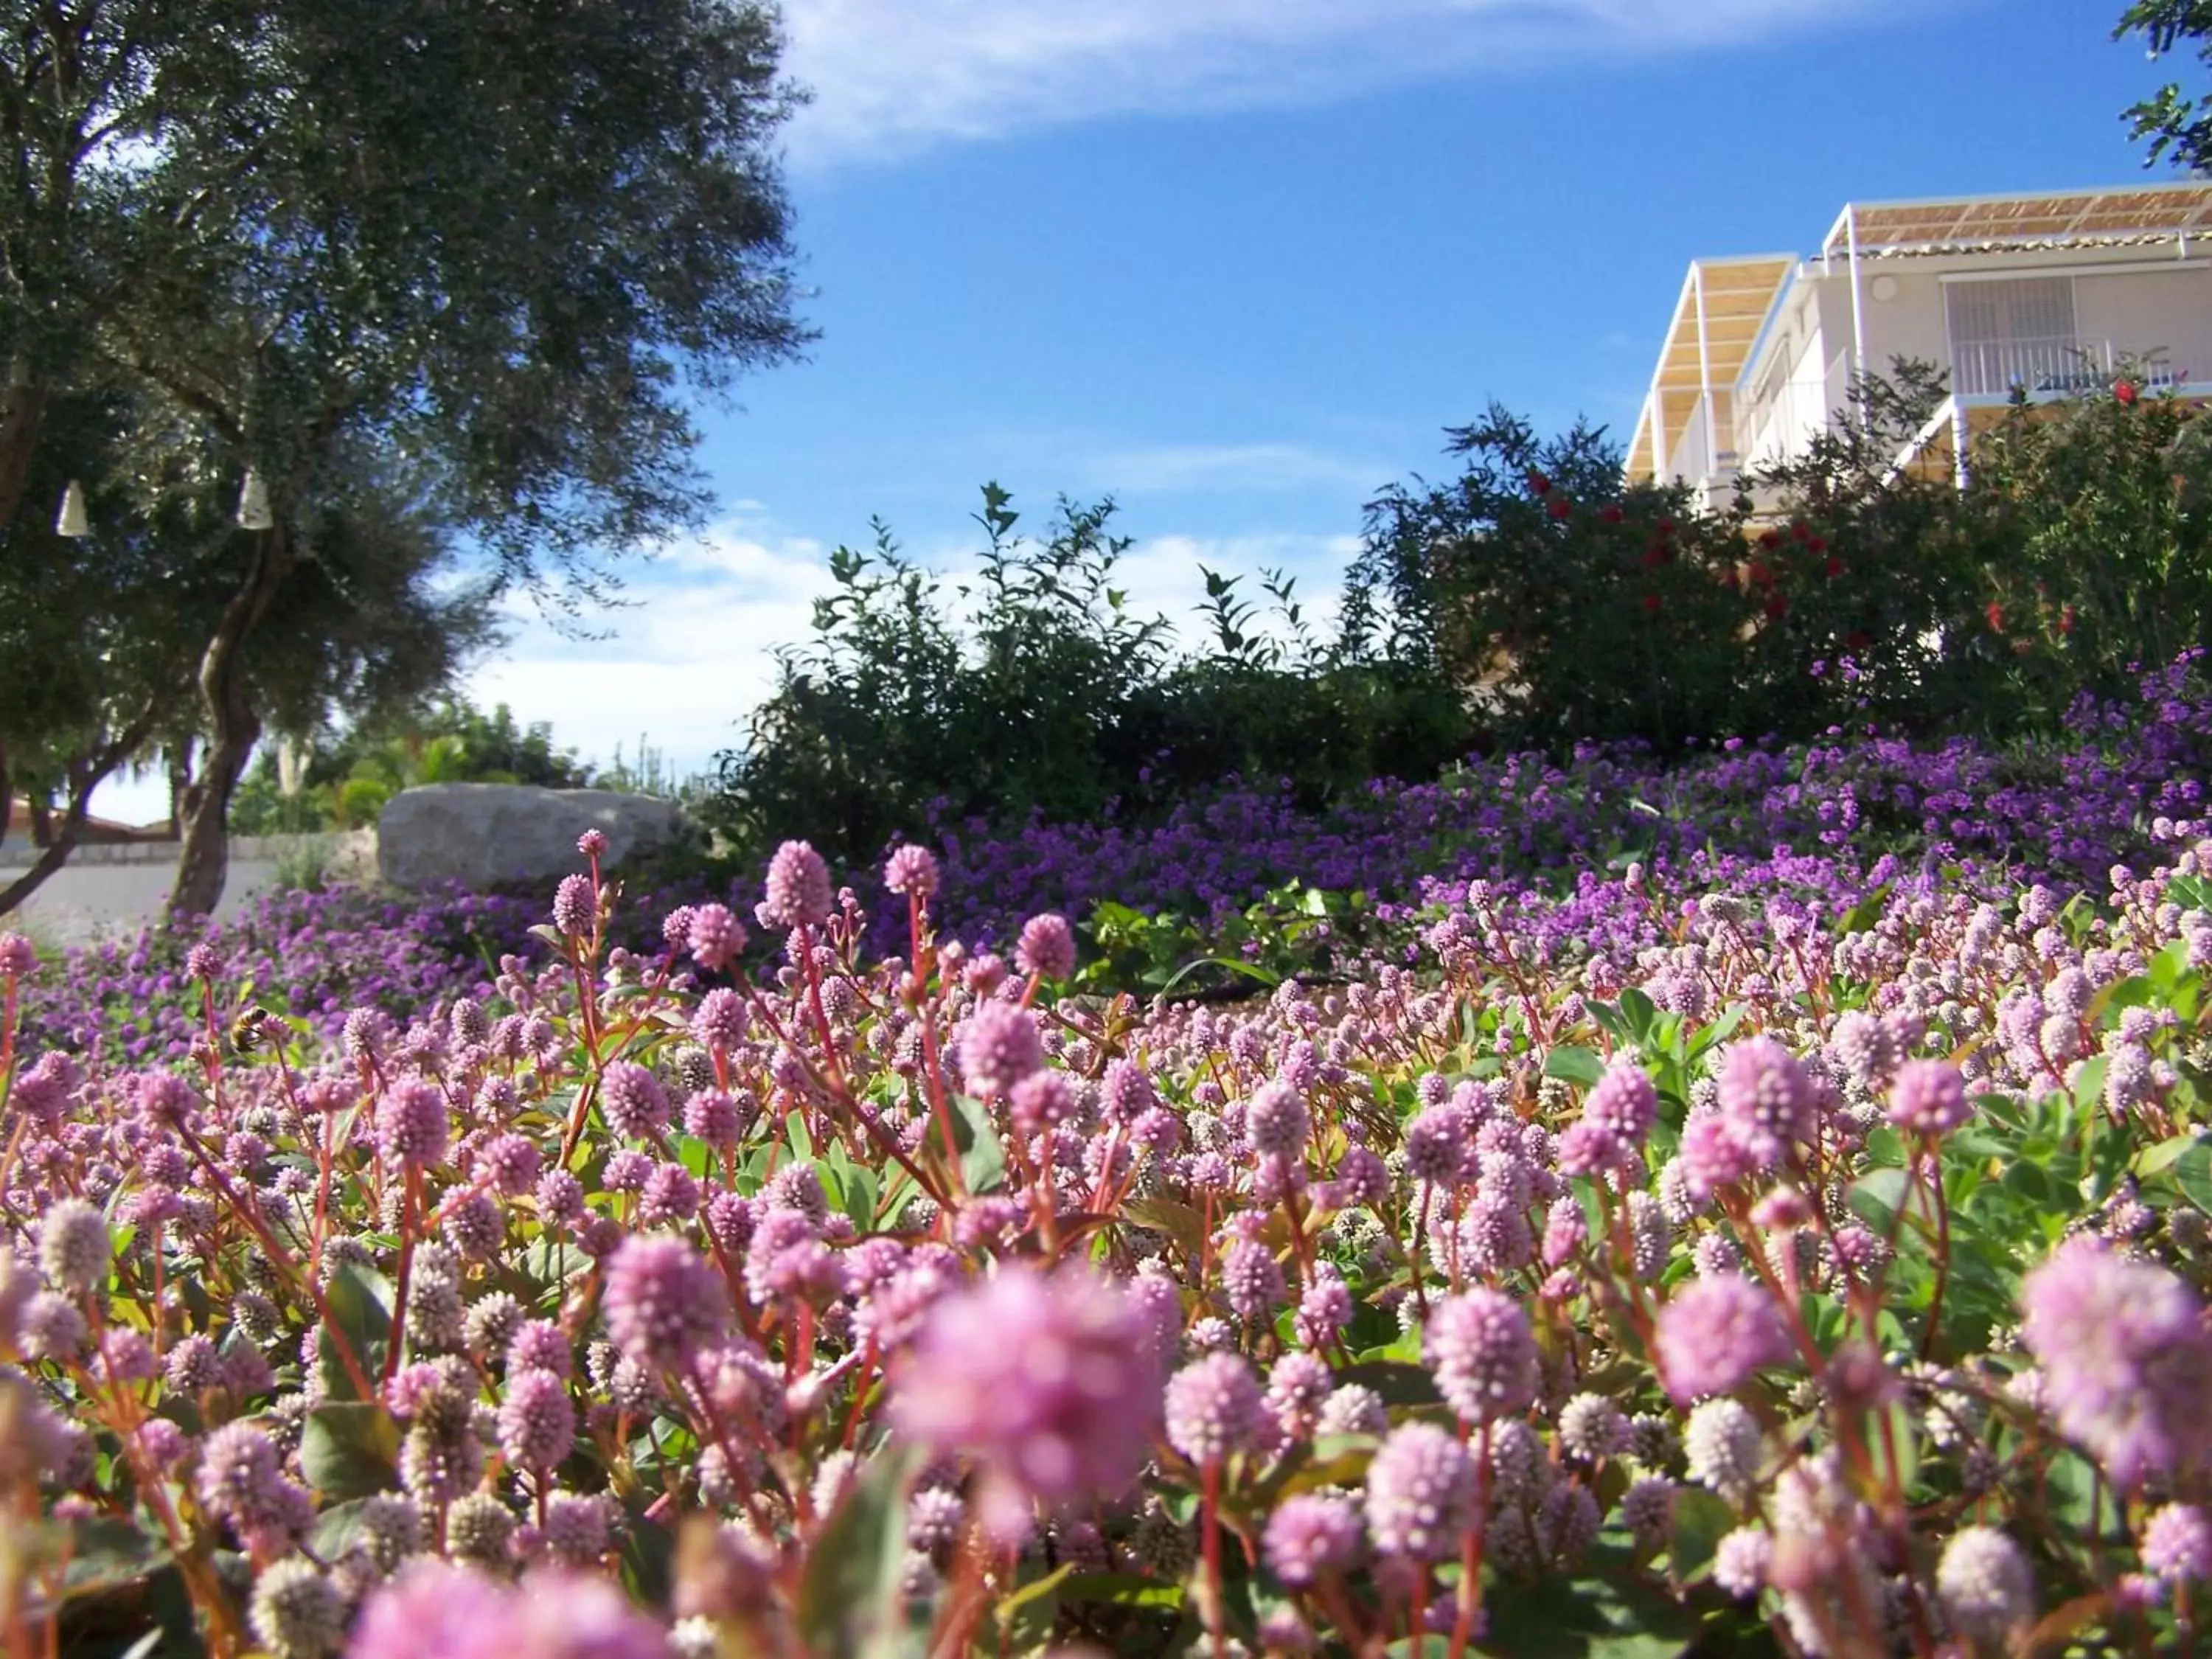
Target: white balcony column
1858,306
1959,435
1704,372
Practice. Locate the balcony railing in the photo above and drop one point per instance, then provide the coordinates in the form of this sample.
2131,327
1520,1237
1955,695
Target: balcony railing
2056,366
1783,427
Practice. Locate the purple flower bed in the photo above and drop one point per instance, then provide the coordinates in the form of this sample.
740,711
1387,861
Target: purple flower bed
1817,828
1748,1282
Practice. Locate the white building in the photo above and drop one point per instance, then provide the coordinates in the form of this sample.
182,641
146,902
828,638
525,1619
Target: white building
2044,292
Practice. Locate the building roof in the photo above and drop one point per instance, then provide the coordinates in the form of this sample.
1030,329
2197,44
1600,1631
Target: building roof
2120,216
1737,294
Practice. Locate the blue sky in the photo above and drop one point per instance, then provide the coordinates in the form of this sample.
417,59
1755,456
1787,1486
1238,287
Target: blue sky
1238,262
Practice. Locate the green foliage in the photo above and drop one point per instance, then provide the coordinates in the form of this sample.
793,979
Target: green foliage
2106,509
2175,125
1042,693
1839,587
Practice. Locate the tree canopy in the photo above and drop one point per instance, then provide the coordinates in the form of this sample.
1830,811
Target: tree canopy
455,273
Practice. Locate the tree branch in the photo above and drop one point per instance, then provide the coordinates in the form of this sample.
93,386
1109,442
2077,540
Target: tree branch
85,776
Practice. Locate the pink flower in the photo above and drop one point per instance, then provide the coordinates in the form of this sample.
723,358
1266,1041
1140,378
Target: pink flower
1052,1385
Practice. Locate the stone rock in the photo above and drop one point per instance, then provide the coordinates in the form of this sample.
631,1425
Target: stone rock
489,835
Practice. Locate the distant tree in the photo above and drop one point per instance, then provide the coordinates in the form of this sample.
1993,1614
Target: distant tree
486,253
2176,127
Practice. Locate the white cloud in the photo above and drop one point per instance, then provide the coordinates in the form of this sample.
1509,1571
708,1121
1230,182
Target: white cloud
893,75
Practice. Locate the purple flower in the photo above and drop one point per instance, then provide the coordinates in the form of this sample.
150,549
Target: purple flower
716,937
431,1607
413,1125
664,1301
241,1481
1984,1583
911,870
1050,1383
1929,1098
1047,947
2176,1543
575,906
633,1101
2124,1353
19,957
1764,1088
1312,1535
1214,1408
1251,1280
799,890
1420,1493
721,1018
1277,1121
1483,1355
537,1421
1714,1333
592,843
998,1046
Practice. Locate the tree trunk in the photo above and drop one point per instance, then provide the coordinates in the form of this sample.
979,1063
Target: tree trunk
234,727
85,776
20,420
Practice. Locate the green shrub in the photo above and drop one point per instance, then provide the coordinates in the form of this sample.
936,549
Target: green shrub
1052,697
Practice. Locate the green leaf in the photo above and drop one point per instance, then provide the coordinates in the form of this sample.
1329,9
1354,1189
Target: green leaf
359,1303
1028,1615
982,1156
1178,1220
848,1600
107,1553
1576,1064
349,1449
1701,1521
1119,1590
1638,1011
2192,1175
1586,1618
1867,913
1399,1383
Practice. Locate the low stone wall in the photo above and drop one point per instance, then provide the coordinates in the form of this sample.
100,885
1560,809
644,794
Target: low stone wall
353,849
119,888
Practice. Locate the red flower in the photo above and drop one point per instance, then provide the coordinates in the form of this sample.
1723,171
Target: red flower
1539,484
1760,575
1801,530
1859,639
1654,556
2066,619
1560,508
1995,612
1731,580
1665,526
2125,391
1651,603
1816,545
1771,540
1834,565
1609,513
1776,604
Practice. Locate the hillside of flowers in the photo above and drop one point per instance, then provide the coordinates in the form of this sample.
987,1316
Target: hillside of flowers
1684,1263
1243,874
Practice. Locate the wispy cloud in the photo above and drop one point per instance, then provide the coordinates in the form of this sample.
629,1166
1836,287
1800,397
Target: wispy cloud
1203,468
893,75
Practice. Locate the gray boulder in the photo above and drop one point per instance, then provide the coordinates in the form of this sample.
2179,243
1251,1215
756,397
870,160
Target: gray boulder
486,834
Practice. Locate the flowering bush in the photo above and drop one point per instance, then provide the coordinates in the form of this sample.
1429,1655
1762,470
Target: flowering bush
1749,1269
